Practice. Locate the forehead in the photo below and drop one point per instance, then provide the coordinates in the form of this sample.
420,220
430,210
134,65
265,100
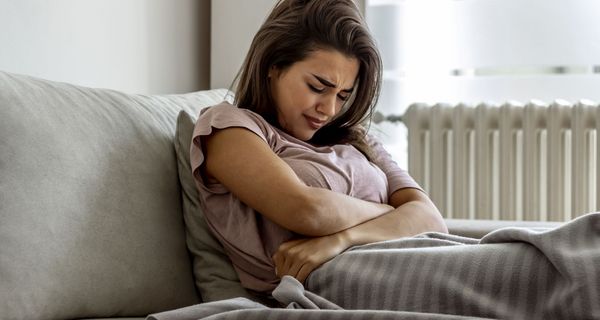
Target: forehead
330,65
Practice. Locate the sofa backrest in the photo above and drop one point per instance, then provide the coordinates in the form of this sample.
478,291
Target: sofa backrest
90,205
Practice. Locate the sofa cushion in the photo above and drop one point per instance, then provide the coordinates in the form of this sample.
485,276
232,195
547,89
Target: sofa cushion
91,220
215,277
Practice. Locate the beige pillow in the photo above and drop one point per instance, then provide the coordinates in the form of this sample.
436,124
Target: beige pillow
215,277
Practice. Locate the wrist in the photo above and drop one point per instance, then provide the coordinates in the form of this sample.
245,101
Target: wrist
345,238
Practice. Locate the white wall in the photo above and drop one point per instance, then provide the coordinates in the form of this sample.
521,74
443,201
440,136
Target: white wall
233,25
141,46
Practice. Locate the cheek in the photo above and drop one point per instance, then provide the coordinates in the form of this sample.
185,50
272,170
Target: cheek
309,100
297,102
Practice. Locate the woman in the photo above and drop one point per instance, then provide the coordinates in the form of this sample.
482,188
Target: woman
289,179
292,160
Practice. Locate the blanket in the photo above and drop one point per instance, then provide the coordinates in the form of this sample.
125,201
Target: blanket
511,273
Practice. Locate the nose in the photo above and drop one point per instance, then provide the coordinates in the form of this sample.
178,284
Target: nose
327,106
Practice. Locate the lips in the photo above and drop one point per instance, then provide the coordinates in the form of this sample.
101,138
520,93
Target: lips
314,122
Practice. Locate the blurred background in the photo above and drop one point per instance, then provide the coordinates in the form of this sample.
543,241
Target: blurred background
449,51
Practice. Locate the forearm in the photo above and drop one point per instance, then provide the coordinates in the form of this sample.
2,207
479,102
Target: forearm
330,212
407,220
300,257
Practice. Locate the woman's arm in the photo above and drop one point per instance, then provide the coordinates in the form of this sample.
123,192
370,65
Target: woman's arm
246,165
414,214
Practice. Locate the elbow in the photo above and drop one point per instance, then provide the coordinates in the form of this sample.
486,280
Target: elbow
436,222
309,218
430,218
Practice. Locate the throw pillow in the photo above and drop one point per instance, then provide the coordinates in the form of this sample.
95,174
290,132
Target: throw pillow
214,274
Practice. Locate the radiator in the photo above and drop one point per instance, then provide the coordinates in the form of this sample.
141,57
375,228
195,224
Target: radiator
510,162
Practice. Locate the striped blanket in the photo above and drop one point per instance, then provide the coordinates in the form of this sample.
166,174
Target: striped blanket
511,273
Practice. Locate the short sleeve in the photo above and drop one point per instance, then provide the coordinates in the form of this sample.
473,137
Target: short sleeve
222,116
397,177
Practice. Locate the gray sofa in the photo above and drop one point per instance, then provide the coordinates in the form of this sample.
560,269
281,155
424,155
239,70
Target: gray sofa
92,207
98,211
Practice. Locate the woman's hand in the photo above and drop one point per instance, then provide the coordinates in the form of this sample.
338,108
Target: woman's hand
298,258
415,213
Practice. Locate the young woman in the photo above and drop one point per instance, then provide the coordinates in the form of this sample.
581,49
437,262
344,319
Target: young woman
290,180
289,176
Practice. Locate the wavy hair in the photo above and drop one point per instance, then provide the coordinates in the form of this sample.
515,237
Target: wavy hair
293,30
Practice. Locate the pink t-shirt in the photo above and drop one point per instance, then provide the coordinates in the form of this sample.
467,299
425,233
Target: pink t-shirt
249,238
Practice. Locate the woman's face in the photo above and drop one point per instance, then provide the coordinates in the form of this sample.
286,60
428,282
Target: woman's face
309,93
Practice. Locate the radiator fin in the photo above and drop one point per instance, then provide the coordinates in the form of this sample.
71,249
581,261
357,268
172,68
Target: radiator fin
510,162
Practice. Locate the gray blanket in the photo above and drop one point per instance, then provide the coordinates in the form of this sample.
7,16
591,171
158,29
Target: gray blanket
511,273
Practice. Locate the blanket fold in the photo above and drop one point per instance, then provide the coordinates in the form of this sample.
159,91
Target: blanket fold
511,273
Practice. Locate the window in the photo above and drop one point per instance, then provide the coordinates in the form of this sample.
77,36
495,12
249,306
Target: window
476,51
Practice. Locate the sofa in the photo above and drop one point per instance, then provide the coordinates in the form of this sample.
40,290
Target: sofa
99,216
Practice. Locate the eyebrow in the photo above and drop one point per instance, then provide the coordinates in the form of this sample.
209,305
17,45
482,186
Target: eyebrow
331,85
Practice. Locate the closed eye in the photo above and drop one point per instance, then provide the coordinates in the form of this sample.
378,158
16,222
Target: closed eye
342,98
315,89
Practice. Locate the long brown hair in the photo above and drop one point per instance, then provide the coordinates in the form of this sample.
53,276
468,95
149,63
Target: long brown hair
293,30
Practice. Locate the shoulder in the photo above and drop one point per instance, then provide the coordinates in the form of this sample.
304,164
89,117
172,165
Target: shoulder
225,111
219,117
225,115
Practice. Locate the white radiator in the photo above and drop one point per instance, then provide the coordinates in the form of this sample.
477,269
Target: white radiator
512,162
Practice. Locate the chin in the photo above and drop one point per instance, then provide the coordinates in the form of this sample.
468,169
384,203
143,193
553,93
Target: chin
304,137
303,134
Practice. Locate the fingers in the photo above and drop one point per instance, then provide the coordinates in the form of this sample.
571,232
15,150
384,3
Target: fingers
288,267
297,269
298,258
290,258
304,272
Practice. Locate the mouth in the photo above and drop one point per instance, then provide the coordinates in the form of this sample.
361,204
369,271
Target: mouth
314,123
